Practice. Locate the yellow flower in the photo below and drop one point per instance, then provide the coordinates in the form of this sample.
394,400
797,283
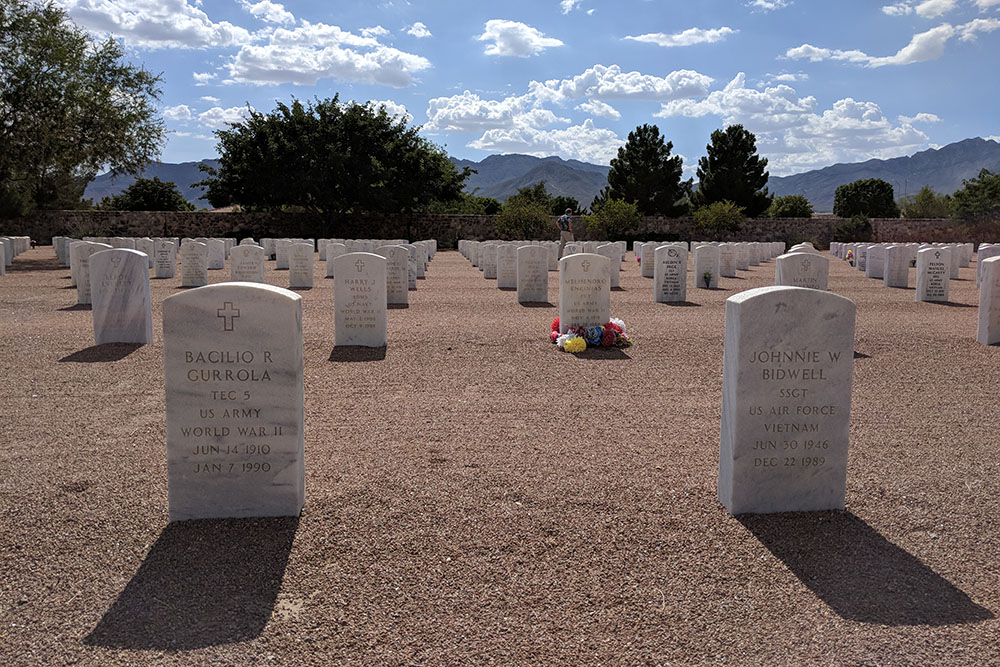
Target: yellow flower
576,344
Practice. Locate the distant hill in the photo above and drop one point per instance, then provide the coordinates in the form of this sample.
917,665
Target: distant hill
500,176
942,169
182,175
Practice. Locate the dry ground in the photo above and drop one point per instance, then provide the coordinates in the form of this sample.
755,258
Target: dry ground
476,496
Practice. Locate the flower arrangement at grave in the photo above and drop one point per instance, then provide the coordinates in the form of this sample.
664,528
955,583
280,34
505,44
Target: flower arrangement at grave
707,277
578,339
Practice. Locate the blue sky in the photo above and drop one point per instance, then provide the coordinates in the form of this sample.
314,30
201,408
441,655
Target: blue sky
818,82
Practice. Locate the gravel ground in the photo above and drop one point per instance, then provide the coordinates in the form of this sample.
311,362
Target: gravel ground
476,496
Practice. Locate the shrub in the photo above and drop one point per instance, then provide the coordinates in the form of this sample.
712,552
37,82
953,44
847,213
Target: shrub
858,228
790,206
522,219
613,219
718,217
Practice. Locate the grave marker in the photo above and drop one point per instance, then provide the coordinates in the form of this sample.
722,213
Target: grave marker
360,299
119,289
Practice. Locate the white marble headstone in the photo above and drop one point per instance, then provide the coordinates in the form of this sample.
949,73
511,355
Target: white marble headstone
933,274
613,253
360,299
246,264
397,261
300,265
507,266
333,251
533,274
584,291
988,332
802,269
706,267
164,259
670,274
897,266
194,264
119,290
81,253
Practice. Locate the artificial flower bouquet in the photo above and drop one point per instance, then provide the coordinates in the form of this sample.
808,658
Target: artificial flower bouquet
578,339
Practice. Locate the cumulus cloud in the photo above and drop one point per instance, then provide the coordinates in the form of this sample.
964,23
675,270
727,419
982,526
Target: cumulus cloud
513,38
582,142
202,78
394,109
217,117
470,113
155,24
794,134
898,9
374,32
314,51
179,112
210,98
930,9
791,78
600,109
768,5
686,38
602,82
268,11
924,46
968,31
986,4
919,118
566,6
419,30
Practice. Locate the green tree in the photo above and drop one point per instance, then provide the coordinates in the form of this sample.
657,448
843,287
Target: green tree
533,194
925,204
978,201
732,171
719,217
870,197
330,157
790,206
563,202
858,228
645,174
522,219
69,106
613,219
148,195
466,204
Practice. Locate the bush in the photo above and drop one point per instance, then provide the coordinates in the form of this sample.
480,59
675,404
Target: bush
790,206
613,219
925,204
868,196
858,228
522,220
719,217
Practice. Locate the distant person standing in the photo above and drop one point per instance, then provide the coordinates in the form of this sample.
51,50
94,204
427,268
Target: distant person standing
565,225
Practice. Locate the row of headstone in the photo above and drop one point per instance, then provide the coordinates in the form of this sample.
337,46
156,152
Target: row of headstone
473,250
11,247
936,264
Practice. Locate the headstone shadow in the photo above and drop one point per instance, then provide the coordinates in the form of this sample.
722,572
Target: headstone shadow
683,304
78,306
397,306
861,355
953,304
204,583
100,353
507,289
860,574
357,353
602,354
536,304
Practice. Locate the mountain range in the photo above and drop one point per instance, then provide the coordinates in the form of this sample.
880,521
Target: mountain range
500,176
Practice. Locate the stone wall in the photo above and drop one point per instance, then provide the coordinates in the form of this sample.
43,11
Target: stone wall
447,229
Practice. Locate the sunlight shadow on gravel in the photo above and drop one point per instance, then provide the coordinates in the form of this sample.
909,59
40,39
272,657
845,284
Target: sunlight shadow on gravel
860,574
204,583
106,352
357,353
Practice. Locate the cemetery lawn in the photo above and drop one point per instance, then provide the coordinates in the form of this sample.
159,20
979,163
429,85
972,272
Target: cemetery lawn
473,495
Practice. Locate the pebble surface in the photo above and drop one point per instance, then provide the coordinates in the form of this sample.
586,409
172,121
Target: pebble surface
473,495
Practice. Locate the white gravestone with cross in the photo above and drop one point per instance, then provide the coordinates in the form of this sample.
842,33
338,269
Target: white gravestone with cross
933,274
80,257
359,299
397,261
584,291
533,274
301,258
119,288
235,404
194,264
164,259
802,269
246,264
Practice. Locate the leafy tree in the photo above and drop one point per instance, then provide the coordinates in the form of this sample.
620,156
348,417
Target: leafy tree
645,173
522,219
561,203
69,106
858,228
613,219
330,157
870,197
732,171
925,204
466,204
719,217
790,206
978,201
148,195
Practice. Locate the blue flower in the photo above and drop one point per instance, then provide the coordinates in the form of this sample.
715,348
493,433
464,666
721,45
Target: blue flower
594,335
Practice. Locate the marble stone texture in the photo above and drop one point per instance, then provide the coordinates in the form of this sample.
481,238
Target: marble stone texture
194,264
216,254
246,264
897,266
786,400
988,332
232,356
80,257
584,291
933,274
670,274
507,266
359,299
802,269
727,260
706,261
647,253
875,267
487,261
613,253
119,290
533,274
333,251
164,259
986,251
281,254
301,257
397,261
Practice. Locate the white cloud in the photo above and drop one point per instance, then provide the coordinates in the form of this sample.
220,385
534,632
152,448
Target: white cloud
210,98
375,31
217,117
898,9
602,82
419,30
193,135
794,135
924,46
469,113
155,24
919,118
513,38
791,78
268,11
566,6
581,142
930,9
986,4
397,111
202,78
179,112
687,37
314,51
600,109
968,31
768,5
993,137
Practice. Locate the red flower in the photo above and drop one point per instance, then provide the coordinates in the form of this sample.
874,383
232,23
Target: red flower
555,325
608,339
553,335
613,327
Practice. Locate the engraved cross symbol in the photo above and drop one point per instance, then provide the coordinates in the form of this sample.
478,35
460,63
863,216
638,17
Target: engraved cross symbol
116,260
586,265
228,315
361,265
937,255
805,265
